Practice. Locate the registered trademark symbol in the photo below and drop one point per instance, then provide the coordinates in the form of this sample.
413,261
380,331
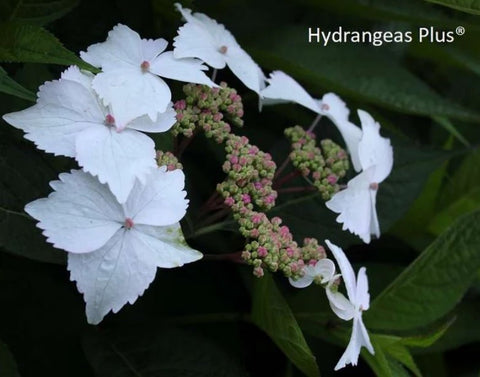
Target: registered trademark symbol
460,30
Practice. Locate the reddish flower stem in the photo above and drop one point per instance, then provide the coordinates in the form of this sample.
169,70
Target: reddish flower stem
286,178
296,189
235,257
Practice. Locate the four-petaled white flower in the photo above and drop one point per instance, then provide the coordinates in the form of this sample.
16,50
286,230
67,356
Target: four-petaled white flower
283,88
322,272
131,66
204,38
356,204
358,301
115,249
70,120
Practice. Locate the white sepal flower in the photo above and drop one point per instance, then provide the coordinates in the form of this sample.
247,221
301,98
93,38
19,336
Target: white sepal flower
131,66
114,249
202,37
356,204
358,301
282,87
322,271
70,120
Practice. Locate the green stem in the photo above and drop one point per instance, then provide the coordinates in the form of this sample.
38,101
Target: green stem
209,229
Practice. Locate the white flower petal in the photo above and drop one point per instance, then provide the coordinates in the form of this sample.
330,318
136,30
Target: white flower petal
362,298
194,40
160,201
340,305
244,67
337,111
374,225
152,48
122,48
354,205
302,282
120,271
345,268
164,122
350,356
80,216
132,93
168,243
117,158
64,109
283,87
188,70
325,268
373,149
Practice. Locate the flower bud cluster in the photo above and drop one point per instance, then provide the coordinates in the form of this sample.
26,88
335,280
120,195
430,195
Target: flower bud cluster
169,160
325,165
271,246
249,178
208,108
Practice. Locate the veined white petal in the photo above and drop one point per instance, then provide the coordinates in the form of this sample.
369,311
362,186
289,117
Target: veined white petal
80,216
373,149
188,70
302,282
345,268
151,48
337,111
123,48
117,158
283,87
64,109
160,200
325,268
362,299
123,269
164,121
244,67
354,205
132,93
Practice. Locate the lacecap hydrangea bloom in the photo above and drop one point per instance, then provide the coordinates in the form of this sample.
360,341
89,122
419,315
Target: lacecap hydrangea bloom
70,120
352,308
356,204
202,37
114,249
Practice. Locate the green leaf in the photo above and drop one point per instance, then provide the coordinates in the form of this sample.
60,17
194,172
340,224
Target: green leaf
450,128
8,366
30,43
468,6
35,11
9,86
358,72
381,363
24,176
434,283
392,345
271,313
147,352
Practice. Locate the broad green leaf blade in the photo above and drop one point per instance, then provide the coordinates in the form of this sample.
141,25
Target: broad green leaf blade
271,313
151,352
449,127
434,283
468,6
30,43
8,366
9,86
24,176
392,345
36,11
358,72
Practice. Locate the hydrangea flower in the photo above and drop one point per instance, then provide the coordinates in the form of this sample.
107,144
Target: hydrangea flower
356,204
70,120
202,37
131,66
322,272
352,308
283,88
115,249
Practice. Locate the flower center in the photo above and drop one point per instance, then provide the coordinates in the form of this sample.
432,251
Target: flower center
223,49
374,186
325,107
128,223
145,66
109,120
